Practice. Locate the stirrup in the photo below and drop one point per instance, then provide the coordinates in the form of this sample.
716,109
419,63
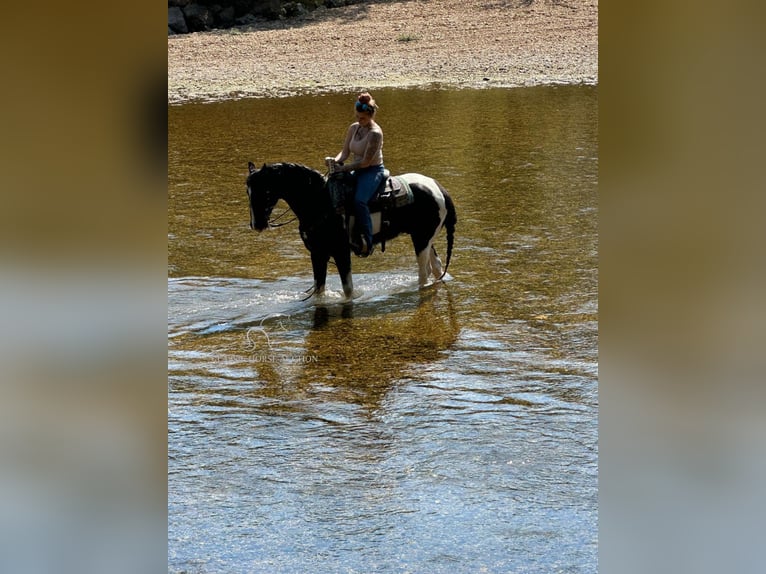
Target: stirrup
365,250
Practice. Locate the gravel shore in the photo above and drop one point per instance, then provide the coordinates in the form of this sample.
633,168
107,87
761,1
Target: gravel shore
449,43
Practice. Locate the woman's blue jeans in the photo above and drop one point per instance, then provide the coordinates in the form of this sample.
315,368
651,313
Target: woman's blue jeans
367,181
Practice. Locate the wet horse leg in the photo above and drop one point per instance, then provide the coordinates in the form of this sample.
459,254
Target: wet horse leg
424,265
344,271
343,261
346,279
319,266
436,264
348,284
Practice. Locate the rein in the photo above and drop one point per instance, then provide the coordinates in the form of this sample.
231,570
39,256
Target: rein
280,216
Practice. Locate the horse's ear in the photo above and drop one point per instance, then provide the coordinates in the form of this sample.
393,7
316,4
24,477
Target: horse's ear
250,166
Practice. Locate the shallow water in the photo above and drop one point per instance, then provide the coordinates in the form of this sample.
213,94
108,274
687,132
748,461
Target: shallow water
449,429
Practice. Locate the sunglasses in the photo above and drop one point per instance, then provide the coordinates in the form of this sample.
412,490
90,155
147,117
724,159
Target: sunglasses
360,107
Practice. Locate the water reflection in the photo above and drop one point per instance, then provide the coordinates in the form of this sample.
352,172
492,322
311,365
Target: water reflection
352,352
359,360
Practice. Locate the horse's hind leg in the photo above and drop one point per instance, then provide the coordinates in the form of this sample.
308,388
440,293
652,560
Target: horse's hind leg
424,265
436,264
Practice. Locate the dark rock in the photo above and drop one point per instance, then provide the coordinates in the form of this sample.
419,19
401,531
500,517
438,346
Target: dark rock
176,20
198,17
225,18
242,7
267,8
293,9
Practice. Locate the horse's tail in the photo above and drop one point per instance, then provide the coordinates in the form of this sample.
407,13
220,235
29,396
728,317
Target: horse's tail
449,224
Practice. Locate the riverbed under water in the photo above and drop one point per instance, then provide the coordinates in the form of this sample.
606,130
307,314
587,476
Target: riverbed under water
449,429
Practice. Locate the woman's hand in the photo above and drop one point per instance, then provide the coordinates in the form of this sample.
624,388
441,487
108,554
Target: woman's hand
331,164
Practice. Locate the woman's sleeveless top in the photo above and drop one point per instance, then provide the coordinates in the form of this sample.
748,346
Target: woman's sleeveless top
358,147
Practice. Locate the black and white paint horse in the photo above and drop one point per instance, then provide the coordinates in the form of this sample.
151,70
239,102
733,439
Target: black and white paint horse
323,232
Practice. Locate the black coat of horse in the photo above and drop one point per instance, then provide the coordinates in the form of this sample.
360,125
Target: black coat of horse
323,231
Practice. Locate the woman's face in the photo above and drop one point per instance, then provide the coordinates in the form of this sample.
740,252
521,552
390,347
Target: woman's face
364,119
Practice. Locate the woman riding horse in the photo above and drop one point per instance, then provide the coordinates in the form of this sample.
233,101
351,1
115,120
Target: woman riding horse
323,231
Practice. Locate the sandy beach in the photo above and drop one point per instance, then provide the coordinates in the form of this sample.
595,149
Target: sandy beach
448,43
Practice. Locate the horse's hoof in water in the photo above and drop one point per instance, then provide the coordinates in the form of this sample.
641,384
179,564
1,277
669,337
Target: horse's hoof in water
313,292
355,294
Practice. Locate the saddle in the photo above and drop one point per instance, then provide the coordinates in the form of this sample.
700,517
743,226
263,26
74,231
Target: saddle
392,193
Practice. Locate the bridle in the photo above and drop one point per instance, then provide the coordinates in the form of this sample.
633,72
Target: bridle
272,222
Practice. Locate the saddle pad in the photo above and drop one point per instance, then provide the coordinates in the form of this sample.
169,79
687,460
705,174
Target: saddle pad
400,191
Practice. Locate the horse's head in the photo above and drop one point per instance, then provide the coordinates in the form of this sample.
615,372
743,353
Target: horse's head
262,196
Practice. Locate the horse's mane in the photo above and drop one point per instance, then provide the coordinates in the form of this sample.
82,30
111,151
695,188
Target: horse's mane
296,173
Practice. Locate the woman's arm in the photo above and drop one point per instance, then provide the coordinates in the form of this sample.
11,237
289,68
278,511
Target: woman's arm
374,143
346,151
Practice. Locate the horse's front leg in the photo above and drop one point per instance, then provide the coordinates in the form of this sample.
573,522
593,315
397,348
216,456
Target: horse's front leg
319,265
343,261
